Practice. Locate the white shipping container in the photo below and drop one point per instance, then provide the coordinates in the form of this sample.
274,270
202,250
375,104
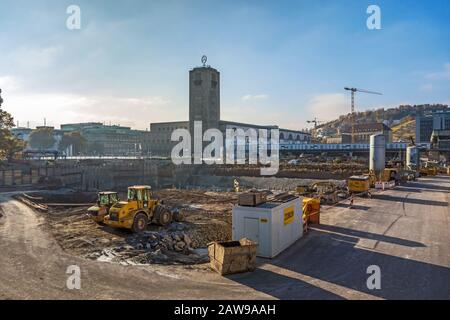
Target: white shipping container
274,226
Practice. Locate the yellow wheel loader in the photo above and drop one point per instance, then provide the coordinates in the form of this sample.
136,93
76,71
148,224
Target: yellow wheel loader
138,211
105,200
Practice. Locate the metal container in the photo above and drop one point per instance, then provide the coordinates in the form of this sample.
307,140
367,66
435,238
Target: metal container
412,157
358,184
230,257
377,153
251,199
273,225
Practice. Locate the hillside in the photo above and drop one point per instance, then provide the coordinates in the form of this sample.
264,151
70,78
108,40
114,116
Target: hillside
404,130
400,119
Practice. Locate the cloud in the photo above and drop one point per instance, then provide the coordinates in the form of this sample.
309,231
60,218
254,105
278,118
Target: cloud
9,84
58,108
251,97
426,87
444,74
330,106
27,57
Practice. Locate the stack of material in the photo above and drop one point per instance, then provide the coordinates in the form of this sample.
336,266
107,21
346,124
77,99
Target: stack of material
233,256
251,199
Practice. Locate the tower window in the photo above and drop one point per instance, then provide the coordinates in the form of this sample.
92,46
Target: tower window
197,79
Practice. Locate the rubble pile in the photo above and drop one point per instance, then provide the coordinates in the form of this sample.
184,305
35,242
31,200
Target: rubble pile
174,245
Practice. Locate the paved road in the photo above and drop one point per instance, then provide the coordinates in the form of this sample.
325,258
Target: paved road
406,232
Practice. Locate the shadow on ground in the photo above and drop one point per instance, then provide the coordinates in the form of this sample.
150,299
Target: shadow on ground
355,206
367,235
425,202
334,259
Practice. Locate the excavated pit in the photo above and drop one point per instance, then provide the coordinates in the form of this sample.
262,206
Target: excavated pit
207,218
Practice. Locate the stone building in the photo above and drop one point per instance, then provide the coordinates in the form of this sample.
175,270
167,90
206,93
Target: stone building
204,106
158,142
204,98
362,132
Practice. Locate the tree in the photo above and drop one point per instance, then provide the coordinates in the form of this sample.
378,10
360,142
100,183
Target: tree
9,145
42,139
74,139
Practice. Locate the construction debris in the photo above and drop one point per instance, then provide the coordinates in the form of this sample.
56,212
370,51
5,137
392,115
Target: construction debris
199,217
207,218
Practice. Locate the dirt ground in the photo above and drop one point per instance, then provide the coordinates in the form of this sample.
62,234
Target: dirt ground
207,219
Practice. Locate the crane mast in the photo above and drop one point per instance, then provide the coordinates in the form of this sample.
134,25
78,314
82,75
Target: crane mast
352,115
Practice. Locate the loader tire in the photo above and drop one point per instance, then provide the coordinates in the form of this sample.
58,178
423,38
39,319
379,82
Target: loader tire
163,216
140,223
178,216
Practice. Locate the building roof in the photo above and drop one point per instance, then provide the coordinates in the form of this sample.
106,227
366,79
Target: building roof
139,187
20,129
242,124
169,122
295,131
369,127
107,192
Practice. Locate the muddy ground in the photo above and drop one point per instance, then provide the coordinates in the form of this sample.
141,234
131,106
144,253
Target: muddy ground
207,219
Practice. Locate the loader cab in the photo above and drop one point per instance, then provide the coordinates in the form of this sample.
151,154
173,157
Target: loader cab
142,195
107,198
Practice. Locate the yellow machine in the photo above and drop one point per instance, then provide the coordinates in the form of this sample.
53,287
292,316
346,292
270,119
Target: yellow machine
372,178
105,200
301,189
429,168
358,184
432,171
428,171
138,211
389,174
311,210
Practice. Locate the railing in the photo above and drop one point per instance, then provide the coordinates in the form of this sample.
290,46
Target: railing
346,146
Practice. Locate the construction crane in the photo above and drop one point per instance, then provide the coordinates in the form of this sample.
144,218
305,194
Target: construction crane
353,91
315,121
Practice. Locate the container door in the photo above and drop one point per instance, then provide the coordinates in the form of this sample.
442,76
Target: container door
251,229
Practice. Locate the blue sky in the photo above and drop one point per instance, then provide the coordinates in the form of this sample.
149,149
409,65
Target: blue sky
281,62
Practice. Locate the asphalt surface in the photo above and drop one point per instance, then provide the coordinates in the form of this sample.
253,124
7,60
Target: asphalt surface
405,232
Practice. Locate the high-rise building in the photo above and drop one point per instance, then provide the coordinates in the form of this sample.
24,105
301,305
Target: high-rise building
426,124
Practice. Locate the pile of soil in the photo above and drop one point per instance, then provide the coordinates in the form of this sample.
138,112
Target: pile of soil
207,219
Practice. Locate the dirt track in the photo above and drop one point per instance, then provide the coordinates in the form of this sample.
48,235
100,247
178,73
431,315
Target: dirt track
34,267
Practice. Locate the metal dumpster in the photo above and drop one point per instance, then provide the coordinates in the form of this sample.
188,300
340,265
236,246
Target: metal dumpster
230,257
358,184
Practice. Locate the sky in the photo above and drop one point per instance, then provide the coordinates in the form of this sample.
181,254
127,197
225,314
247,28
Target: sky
281,62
